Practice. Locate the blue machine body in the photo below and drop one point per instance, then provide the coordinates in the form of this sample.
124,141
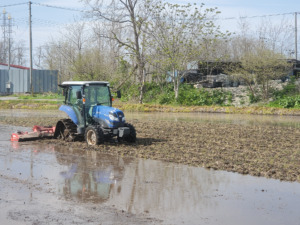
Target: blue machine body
107,117
71,113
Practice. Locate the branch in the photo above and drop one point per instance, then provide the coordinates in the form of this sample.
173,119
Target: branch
98,13
122,43
126,78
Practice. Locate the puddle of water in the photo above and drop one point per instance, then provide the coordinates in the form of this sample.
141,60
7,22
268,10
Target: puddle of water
182,194
267,120
176,194
31,113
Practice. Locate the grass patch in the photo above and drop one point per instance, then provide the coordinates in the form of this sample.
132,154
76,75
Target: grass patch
48,95
29,104
259,110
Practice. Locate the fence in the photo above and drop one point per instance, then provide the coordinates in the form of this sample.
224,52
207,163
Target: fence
18,81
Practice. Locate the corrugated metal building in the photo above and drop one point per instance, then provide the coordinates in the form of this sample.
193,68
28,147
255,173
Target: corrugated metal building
17,80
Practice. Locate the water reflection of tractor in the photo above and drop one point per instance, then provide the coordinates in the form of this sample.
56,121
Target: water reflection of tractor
89,106
89,176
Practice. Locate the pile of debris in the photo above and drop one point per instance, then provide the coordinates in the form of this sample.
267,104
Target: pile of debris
195,77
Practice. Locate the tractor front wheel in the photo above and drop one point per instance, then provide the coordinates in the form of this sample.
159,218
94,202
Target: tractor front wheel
93,135
131,138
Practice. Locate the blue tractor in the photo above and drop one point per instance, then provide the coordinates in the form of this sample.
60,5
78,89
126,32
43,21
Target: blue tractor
91,115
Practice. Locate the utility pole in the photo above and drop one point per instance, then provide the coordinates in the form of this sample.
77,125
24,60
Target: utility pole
4,35
9,42
30,48
296,47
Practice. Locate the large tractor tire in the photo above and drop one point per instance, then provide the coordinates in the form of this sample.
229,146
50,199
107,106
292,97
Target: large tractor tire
131,138
93,135
65,130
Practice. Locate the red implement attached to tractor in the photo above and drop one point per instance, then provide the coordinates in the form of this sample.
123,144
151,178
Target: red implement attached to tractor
37,133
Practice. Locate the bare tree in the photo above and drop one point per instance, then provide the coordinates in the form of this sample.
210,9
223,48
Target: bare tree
276,36
129,16
258,67
63,52
17,53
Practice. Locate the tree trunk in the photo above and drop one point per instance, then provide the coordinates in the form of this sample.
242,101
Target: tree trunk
139,55
141,98
176,84
142,85
176,92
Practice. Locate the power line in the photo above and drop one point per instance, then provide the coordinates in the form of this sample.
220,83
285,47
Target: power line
59,7
84,11
226,18
48,22
5,6
261,16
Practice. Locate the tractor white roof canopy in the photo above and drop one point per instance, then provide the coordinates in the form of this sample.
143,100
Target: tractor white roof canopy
70,83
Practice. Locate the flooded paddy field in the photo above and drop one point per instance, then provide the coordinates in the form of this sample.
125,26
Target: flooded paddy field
267,146
174,174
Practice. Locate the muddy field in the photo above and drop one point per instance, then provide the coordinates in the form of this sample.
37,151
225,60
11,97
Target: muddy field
268,151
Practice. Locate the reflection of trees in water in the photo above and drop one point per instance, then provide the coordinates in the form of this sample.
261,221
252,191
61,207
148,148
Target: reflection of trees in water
168,189
90,175
149,186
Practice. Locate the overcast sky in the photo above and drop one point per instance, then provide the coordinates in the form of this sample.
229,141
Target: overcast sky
47,20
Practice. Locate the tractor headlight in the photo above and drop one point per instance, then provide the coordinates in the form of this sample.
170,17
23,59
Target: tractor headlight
123,119
113,117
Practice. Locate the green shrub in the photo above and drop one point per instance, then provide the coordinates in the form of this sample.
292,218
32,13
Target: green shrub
290,102
286,102
166,98
130,92
288,90
288,97
254,98
188,95
153,92
229,97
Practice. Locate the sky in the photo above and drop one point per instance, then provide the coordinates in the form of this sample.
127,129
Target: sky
235,8
47,22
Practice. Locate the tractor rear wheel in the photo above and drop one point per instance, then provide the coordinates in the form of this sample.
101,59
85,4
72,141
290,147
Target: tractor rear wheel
65,130
93,135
